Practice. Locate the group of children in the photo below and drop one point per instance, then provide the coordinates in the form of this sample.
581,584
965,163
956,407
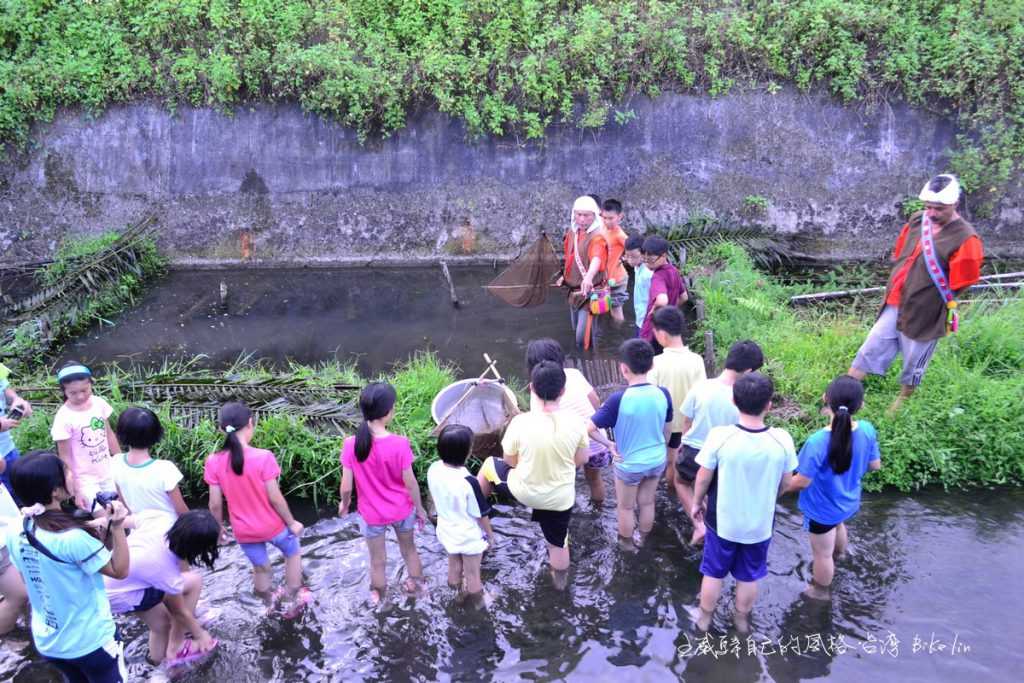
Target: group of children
707,437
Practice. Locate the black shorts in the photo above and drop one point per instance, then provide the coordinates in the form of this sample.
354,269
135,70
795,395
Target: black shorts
819,528
675,440
151,597
555,526
686,463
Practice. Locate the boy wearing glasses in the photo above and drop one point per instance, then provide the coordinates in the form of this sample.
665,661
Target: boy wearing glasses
667,288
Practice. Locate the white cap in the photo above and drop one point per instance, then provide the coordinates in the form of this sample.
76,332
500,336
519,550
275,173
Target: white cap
942,189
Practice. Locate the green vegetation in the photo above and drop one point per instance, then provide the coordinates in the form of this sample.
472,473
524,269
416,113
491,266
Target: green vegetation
88,281
306,444
517,67
961,428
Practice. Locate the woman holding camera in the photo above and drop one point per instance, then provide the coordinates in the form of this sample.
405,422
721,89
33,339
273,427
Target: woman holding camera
61,556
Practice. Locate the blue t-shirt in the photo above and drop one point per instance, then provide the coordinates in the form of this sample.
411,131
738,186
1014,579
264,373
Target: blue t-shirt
833,498
641,292
70,611
638,415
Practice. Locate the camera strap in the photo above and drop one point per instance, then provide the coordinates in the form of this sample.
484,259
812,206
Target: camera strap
35,543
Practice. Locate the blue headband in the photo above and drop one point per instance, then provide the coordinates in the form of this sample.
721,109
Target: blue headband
73,370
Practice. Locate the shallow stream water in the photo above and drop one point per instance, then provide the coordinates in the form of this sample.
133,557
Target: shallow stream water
928,592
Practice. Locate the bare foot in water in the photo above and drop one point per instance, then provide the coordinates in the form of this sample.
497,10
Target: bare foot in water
742,622
413,585
704,619
816,592
376,597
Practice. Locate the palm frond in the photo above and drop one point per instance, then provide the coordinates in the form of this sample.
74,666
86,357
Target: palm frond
768,250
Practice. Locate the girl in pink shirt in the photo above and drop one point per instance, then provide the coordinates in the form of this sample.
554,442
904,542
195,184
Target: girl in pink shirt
386,489
247,478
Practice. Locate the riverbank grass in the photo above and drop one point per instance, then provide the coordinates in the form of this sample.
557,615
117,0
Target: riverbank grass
962,428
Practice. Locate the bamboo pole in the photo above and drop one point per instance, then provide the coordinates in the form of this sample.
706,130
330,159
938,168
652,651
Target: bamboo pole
842,294
451,285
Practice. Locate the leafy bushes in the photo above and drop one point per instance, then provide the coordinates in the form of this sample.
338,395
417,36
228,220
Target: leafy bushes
309,459
516,67
961,428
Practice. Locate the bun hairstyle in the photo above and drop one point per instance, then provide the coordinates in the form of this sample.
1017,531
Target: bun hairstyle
375,401
232,418
34,477
845,396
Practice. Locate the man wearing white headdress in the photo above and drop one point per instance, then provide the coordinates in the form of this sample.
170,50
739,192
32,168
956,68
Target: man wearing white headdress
586,260
937,255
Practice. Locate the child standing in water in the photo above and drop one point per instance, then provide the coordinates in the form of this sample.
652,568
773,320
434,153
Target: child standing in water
581,400
85,441
462,509
634,256
380,465
743,469
144,482
832,463
247,478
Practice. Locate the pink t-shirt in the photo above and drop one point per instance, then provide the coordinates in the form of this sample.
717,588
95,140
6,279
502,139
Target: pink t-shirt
86,434
380,492
252,518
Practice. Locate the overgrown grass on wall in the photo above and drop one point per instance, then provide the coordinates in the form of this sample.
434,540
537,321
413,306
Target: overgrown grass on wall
961,428
515,67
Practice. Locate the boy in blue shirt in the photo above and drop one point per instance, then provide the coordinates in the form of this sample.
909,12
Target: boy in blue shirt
634,256
743,469
640,416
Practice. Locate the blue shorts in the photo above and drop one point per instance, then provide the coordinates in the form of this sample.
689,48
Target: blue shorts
634,478
745,561
402,526
286,542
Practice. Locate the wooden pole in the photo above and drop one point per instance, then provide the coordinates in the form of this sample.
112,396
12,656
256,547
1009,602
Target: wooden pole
451,285
709,353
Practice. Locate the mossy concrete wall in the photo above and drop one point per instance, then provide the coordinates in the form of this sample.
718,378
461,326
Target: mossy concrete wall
275,185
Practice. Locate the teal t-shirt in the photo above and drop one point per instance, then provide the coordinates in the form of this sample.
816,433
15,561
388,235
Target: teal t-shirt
832,498
638,415
70,612
641,292
6,441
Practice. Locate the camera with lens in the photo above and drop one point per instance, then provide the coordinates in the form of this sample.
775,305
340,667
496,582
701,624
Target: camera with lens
102,499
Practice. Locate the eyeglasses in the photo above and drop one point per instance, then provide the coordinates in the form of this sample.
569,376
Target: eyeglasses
652,258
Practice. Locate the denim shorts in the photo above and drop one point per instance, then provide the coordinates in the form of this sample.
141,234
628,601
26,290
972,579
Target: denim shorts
619,295
634,478
402,526
286,542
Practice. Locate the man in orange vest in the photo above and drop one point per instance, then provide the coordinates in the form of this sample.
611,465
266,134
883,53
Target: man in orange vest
937,255
586,262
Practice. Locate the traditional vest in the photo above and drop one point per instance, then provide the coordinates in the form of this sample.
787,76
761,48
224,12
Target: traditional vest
573,275
922,312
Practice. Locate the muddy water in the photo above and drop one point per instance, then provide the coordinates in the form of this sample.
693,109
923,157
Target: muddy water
936,570
373,316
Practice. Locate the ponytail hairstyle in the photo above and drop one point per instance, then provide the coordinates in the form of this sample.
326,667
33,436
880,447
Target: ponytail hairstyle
35,476
845,396
375,401
234,417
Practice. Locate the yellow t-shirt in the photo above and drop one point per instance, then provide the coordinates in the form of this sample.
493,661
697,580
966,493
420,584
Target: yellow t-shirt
678,370
546,443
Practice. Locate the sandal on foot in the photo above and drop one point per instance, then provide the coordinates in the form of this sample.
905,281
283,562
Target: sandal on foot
303,596
188,652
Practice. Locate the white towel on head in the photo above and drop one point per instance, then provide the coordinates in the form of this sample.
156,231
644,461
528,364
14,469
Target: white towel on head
948,195
586,203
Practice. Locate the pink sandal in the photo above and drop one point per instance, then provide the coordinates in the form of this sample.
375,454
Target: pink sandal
188,653
302,597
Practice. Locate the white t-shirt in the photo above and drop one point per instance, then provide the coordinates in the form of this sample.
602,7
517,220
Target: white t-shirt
459,503
749,466
152,563
146,486
708,404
